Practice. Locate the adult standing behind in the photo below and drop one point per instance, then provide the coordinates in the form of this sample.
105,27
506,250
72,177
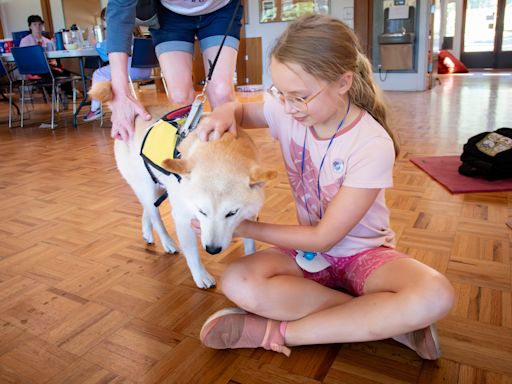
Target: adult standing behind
180,22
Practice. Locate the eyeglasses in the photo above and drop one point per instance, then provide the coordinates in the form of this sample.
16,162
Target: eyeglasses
298,103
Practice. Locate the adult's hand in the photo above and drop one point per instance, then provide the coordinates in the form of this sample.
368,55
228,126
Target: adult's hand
124,110
124,106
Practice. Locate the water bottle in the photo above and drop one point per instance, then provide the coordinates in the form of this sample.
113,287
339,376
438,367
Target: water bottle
76,34
98,33
59,41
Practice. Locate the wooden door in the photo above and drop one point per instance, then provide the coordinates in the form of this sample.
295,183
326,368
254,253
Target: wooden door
47,16
249,61
487,34
363,21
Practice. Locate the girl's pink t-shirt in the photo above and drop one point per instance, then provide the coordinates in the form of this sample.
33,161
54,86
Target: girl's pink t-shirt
360,156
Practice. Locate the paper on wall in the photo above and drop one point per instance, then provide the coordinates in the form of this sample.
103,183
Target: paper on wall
399,12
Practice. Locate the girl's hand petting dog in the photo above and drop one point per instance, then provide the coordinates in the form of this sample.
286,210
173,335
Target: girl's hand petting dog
196,227
239,231
221,120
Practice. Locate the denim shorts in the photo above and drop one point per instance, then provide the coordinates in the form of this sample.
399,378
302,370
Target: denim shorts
177,32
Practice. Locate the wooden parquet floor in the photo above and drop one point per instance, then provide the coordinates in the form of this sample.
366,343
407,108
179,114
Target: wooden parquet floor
84,300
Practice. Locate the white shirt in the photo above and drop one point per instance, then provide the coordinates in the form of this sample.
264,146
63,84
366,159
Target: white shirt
194,7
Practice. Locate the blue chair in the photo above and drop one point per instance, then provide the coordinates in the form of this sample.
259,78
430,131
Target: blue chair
144,56
17,36
32,61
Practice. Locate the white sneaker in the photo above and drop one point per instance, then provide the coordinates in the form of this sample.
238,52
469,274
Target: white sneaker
92,115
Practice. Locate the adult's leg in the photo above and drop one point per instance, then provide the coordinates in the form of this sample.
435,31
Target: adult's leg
400,296
177,71
220,88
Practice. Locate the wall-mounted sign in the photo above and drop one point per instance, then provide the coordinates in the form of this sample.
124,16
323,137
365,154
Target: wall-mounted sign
287,10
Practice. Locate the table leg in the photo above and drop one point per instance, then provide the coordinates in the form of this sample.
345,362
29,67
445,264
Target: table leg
84,92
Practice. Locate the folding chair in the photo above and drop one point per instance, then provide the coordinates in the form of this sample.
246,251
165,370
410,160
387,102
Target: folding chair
143,56
32,61
18,35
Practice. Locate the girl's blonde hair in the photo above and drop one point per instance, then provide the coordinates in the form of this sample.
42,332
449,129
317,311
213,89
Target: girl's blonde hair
326,48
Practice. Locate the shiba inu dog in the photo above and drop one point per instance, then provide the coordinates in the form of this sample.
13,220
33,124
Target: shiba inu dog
222,184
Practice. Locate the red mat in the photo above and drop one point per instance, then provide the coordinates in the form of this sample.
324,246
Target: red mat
444,169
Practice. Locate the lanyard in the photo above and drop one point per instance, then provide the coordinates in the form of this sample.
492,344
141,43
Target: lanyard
321,164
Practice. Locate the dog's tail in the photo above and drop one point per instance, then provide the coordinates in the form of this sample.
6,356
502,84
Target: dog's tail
101,91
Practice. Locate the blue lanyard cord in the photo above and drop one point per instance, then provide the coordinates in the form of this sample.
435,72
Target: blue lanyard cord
321,164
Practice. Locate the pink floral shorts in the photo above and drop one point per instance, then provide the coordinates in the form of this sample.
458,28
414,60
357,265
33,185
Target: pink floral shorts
350,273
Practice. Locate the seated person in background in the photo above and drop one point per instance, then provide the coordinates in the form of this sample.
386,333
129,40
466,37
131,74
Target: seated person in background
35,24
104,73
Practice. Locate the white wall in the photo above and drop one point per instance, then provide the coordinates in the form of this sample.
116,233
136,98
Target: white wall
394,81
14,14
269,32
57,15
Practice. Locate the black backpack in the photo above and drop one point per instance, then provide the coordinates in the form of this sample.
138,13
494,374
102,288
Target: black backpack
488,155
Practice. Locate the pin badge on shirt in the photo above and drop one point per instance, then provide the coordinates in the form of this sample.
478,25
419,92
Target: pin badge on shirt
338,166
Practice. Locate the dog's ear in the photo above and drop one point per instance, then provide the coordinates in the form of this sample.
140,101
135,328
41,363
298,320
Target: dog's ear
258,176
179,166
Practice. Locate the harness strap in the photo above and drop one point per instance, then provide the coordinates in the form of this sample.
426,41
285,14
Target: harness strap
164,195
161,199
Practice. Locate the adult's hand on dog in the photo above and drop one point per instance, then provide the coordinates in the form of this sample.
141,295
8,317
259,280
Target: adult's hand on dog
124,110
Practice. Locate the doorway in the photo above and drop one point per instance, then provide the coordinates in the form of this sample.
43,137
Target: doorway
487,34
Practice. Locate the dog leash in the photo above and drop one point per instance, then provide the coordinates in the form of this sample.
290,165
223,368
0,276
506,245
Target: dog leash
197,106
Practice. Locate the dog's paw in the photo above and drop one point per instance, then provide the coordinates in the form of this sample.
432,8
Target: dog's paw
148,237
169,245
204,280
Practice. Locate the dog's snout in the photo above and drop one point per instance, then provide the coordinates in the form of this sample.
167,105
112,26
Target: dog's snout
213,250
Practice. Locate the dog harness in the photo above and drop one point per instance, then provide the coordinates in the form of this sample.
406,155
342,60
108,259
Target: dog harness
163,138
